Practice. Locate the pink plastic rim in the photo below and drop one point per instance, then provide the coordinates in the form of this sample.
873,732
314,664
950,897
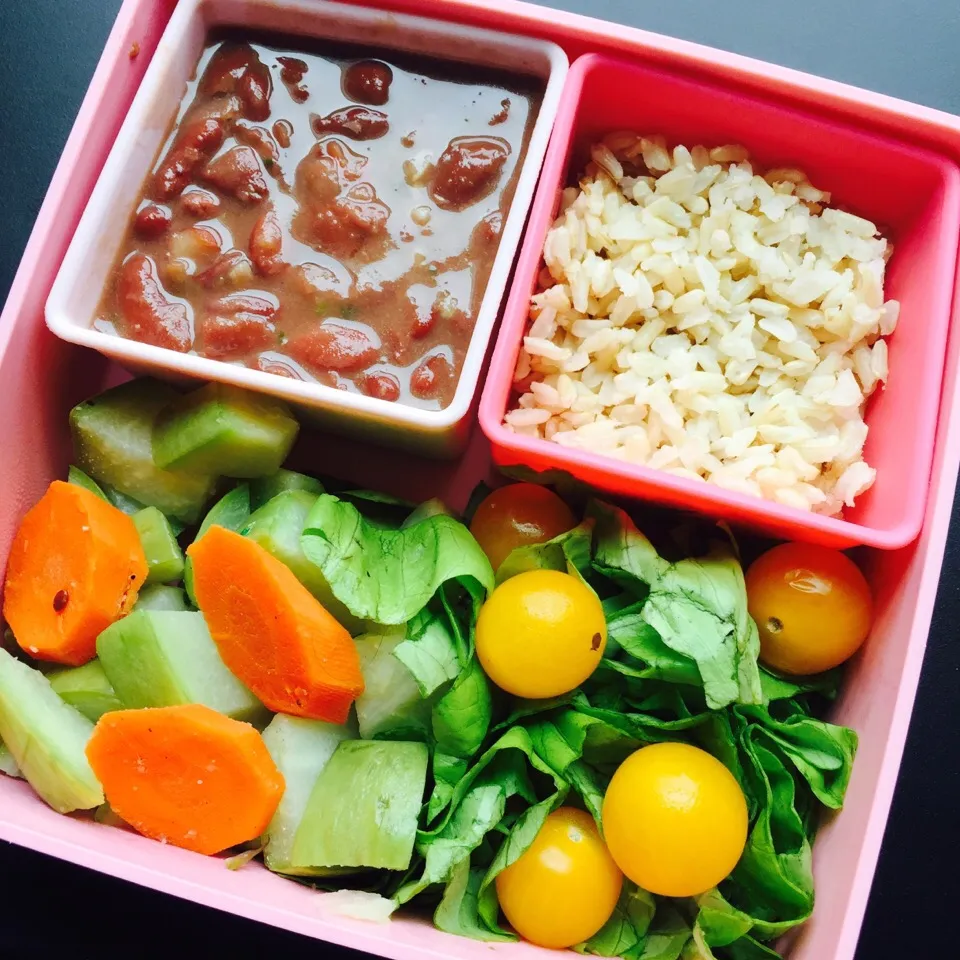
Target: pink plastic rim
40,377
926,218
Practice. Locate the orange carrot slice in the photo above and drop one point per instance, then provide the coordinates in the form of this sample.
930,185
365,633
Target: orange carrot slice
75,566
271,631
186,775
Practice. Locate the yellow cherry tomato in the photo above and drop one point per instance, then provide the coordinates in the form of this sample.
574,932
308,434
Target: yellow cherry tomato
565,885
812,606
540,634
517,516
675,819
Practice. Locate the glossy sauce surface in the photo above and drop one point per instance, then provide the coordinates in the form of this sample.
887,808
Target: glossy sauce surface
325,216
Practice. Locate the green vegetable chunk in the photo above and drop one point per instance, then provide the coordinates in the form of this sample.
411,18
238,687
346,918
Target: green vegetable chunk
301,749
230,511
157,596
161,658
223,429
112,437
265,489
277,526
7,764
391,706
126,504
105,814
77,477
164,556
363,810
86,688
117,499
47,738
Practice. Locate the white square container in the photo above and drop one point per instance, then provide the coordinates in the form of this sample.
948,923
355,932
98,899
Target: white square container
71,307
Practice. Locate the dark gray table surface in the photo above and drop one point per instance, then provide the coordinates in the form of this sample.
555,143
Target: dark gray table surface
48,50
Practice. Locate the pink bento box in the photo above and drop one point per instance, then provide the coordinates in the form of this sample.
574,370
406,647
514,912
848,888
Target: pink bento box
41,377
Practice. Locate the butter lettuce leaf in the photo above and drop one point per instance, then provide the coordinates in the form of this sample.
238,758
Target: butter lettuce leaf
429,652
623,935
461,717
699,610
385,574
696,608
459,912
569,552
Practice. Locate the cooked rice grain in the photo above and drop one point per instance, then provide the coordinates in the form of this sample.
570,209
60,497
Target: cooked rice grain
705,320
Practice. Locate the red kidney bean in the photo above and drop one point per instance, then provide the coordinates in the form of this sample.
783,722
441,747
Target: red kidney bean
431,376
196,143
200,203
467,171
236,69
266,243
292,73
383,386
254,89
152,221
238,173
235,336
368,81
149,315
358,123
332,346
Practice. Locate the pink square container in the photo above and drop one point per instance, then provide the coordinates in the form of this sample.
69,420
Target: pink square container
41,376
913,192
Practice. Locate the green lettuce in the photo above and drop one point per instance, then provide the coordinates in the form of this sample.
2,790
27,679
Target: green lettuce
461,717
568,552
624,934
776,687
820,752
668,936
430,652
447,773
719,922
622,552
459,909
641,928
631,632
476,830
697,607
790,764
680,665
385,574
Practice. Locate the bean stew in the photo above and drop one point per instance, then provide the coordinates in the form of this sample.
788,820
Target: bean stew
331,216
